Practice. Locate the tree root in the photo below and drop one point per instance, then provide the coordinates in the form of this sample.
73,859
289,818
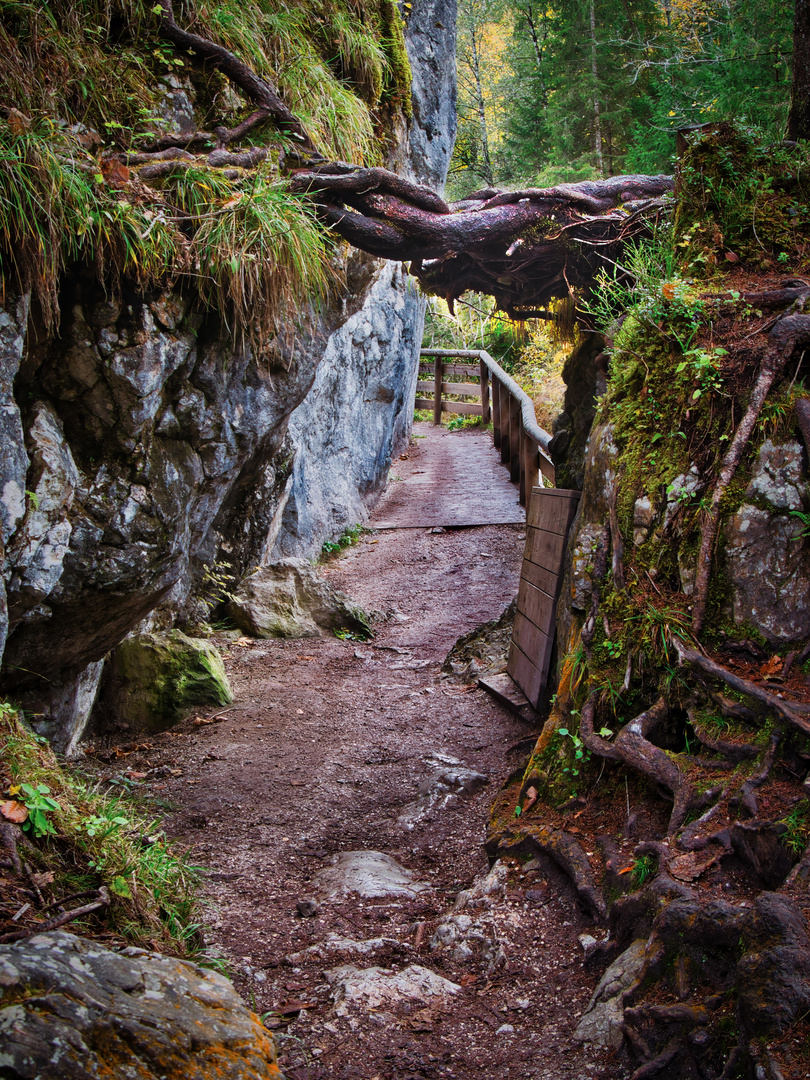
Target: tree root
632,747
733,753
259,91
747,796
688,655
9,838
788,333
563,849
490,242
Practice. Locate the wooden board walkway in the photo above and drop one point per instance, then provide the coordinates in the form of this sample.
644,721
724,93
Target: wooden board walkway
451,478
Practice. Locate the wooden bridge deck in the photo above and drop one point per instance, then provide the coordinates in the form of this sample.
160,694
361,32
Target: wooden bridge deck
449,478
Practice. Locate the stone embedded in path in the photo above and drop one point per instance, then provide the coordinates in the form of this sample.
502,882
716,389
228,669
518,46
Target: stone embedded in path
450,781
71,1008
376,987
370,874
291,600
335,943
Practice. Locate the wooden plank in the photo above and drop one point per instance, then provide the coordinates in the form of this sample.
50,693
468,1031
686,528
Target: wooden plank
551,512
539,576
531,639
452,369
526,674
506,691
530,469
423,403
465,407
503,402
437,393
496,413
545,549
538,606
464,388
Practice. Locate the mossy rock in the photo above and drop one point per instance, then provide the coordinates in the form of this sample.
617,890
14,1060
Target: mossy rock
291,600
155,680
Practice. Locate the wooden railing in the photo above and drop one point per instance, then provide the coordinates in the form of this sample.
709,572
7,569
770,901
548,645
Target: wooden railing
522,442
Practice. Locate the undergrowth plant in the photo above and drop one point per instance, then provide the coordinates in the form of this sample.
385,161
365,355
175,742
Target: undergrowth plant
87,838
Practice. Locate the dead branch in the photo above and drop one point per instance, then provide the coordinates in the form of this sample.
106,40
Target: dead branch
786,335
59,920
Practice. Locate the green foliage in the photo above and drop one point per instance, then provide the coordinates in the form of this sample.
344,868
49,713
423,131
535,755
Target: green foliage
261,254
798,828
55,209
39,805
78,74
569,97
804,518
644,868
740,195
476,324
347,539
90,838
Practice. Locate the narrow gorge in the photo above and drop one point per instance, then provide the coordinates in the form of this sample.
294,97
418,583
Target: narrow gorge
258,816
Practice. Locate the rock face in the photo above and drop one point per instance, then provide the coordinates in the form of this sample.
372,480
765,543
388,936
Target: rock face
290,599
601,1023
71,1008
141,447
156,679
357,416
768,564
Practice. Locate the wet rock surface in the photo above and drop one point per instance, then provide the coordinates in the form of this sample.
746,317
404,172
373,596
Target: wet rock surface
72,1008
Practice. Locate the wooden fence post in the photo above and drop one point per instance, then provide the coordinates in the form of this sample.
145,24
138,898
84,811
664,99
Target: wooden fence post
437,391
484,393
515,427
496,413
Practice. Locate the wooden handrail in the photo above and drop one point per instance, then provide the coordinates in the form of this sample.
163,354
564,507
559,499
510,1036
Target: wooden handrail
524,445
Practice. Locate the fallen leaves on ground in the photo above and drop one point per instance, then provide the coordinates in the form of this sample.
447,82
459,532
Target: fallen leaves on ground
14,811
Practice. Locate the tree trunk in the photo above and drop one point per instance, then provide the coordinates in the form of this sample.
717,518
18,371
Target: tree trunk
597,122
799,116
486,171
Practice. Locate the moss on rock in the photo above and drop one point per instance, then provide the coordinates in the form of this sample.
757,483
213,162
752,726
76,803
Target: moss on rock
157,679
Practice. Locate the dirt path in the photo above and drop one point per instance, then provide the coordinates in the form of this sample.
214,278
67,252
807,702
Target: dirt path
327,745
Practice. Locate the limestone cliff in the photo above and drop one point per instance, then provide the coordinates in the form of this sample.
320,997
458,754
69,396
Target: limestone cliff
144,443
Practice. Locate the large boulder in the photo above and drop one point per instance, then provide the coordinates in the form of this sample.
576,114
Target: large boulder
290,599
155,680
71,1008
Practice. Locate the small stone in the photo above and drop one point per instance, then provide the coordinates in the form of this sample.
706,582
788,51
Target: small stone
505,1029
308,909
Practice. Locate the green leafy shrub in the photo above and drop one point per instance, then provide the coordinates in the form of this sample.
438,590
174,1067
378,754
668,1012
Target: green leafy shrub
88,838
